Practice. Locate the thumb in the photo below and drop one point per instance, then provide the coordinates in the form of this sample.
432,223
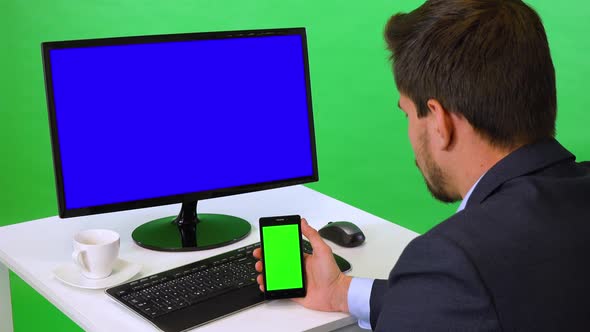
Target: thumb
317,243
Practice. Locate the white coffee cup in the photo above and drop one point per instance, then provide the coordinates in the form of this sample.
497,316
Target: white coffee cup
95,252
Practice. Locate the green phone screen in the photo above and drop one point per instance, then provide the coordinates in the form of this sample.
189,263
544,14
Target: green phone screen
282,257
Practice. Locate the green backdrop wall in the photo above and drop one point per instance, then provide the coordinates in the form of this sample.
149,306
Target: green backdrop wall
364,155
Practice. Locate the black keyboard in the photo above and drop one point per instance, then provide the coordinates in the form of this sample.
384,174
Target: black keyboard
194,294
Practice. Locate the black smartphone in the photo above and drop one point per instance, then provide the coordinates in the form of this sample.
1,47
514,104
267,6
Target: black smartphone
282,257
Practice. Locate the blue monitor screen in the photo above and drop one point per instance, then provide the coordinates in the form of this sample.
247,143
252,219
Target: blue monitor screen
142,121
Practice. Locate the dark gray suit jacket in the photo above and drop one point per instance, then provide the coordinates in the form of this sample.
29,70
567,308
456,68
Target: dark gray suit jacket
517,258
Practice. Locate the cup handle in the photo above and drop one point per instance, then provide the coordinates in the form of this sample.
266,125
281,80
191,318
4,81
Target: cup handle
77,257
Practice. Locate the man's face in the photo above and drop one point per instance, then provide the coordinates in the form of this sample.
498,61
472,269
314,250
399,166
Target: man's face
418,132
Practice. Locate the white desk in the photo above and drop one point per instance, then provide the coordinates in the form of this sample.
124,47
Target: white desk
33,249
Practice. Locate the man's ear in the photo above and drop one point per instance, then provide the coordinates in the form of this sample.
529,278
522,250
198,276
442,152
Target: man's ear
442,127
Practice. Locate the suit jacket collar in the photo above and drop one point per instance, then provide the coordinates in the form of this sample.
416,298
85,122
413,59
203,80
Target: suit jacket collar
526,159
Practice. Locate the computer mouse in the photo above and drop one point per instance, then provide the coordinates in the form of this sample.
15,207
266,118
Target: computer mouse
343,233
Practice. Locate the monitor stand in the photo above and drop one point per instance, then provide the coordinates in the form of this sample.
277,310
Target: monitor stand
190,231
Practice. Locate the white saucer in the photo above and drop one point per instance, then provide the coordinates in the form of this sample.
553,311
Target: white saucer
122,271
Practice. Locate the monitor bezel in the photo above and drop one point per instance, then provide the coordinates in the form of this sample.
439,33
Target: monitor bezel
180,198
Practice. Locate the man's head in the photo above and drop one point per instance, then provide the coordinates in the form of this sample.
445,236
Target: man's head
484,63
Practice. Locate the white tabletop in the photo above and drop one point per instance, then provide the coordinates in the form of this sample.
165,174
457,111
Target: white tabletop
33,249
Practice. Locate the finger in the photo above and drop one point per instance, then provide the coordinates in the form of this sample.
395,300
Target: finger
260,281
257,253
317,243
258,266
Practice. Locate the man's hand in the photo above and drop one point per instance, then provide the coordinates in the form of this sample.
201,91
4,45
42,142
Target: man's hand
327,287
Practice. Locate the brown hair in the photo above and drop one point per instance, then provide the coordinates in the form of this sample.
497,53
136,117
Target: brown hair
487,60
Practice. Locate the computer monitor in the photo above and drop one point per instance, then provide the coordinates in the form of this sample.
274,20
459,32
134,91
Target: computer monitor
153,120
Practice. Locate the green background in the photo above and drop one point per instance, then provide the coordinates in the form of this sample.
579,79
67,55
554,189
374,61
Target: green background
365,158
282,257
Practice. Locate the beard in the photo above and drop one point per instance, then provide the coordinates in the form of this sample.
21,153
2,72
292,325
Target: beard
434,177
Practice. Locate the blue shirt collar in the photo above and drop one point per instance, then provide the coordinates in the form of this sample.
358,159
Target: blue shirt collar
466,198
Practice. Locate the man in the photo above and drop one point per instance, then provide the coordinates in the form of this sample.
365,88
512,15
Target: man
477,85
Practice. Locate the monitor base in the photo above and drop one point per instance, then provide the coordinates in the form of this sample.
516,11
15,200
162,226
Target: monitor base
207,231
